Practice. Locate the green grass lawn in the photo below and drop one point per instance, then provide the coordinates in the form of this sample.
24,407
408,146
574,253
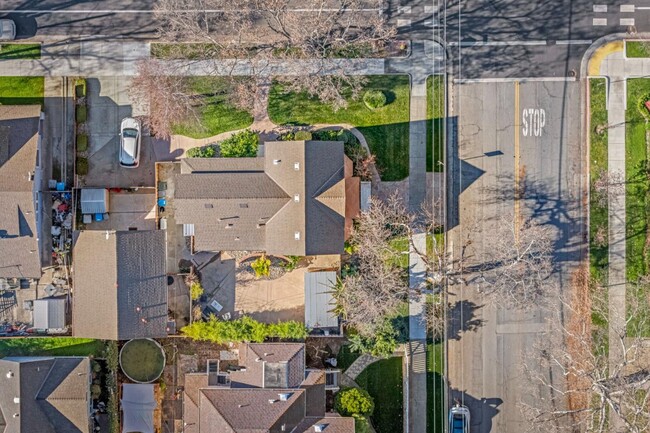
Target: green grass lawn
637,190
21,90
50,346
345,358
20,51
386,129
598,159
216,114
142,360
435,387
637,49
383,381
435,112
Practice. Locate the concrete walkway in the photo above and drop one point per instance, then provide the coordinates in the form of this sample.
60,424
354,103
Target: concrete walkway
359,364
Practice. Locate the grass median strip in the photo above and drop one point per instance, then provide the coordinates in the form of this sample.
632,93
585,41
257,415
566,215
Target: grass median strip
435,387
435,122
20,51
386,128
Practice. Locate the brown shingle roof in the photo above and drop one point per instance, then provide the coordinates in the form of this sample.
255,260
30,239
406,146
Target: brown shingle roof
291,201
270,365
19,255
332,424
120,289
52,392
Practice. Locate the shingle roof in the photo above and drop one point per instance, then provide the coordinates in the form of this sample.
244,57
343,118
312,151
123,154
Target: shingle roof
291,201
270,365
19,256
332,424
52,392
249,410
120,289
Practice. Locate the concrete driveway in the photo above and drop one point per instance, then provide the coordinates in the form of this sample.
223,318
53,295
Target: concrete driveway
108,103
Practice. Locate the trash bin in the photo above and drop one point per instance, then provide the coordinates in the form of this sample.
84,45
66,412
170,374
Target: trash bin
99,217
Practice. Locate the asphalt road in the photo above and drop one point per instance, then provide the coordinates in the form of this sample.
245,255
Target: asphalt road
489,343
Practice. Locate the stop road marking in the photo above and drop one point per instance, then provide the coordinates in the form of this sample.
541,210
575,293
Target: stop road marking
534,120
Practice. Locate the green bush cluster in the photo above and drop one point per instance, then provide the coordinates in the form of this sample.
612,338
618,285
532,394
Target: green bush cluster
262,267
241,144
382,344
82,166
209,151
80,87
82,142
296,136
81,113
374,99
292,263
354,401
196,290
243,329
642,108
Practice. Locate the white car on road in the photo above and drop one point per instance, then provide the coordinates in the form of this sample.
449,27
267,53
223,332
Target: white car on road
130,143
7,30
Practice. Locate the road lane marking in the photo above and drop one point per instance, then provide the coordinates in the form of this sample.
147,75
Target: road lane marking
600,9
627,21
403,23
510,80
516,174
600,21
495,43
627,8
574,42
404,9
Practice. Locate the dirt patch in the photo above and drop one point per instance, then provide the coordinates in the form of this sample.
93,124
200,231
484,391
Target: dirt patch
579,339
318,349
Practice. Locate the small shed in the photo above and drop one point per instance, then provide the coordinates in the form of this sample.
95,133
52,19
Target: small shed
94,201
49,313
138,404
319,301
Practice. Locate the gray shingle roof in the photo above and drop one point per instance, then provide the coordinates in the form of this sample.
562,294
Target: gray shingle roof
119,287
332,423
291,201
19,256
271,365
52,392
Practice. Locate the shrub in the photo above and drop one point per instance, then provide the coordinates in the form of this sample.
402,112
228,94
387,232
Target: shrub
374,99
261,266
242,144
95,391
354,401
82,142
640,105
196,290
243,329
80,113
292,263
208,151
82,166
302,135
361,424
80,87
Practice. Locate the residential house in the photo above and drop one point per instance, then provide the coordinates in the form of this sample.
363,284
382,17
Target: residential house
119,285
45,395
268,389
298,199
20,183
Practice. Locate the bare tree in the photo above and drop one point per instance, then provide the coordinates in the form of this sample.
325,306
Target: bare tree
608,183
168,97
516,264
601,374
255,31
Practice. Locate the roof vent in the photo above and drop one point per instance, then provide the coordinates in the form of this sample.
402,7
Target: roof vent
296,198
283,427
296,166
243,205
277,161
296,236
229,226
260,225
258,359
10,374
237,238
17,400
30,176
271,400
208,205
267,354
284,396
319,427
16,415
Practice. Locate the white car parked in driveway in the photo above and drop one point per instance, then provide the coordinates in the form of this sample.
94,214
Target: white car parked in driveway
130,143
7,30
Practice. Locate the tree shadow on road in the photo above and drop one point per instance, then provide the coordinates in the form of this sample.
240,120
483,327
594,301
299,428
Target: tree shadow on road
462,318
